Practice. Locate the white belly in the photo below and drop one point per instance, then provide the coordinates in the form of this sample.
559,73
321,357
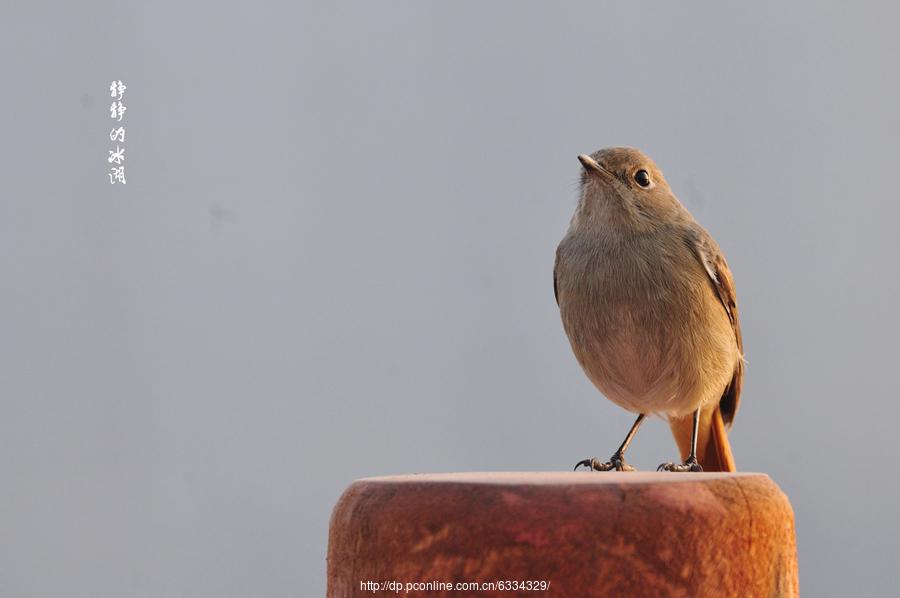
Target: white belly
647,361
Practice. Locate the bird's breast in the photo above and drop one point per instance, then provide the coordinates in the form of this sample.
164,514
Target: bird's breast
644,324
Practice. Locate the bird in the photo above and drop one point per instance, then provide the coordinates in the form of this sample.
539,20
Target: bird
649,306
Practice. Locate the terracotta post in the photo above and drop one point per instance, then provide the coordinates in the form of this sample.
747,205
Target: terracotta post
571,533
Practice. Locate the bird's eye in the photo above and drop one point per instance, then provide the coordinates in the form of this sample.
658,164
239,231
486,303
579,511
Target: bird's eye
642,177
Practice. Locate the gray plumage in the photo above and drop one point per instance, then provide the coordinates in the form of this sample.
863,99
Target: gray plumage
645,295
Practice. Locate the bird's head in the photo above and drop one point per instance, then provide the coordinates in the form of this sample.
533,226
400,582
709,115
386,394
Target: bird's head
621,188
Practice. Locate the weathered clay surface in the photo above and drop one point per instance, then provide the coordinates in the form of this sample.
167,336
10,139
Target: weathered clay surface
587,533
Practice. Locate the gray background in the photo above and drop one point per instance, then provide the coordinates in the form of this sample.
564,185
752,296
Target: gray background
332,260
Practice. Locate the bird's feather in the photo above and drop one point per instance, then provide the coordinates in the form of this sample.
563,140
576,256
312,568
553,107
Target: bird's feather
710,256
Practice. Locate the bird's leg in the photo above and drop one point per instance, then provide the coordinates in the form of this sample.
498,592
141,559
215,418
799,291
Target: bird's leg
617,461
691,463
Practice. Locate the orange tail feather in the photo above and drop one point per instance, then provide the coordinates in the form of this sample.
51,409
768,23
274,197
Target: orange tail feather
713,448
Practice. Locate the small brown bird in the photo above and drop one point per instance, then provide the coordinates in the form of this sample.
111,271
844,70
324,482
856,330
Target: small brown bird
649,306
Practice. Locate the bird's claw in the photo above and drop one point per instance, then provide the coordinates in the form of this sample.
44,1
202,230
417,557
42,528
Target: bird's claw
616,462
689,465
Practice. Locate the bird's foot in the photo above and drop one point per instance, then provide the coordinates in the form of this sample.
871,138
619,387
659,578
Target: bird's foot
689,465
616,462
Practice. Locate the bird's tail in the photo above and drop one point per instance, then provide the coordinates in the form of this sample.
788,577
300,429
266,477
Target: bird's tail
713,449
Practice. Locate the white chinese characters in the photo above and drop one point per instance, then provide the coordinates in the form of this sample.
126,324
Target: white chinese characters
117,175
117,109
117,156
117,87
117,112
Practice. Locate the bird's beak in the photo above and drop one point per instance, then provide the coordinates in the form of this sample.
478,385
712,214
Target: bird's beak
589,163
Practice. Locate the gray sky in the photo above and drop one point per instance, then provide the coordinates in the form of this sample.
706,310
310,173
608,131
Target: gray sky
332,259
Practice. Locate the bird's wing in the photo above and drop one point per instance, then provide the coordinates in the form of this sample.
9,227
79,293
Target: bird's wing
555,285
710,256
